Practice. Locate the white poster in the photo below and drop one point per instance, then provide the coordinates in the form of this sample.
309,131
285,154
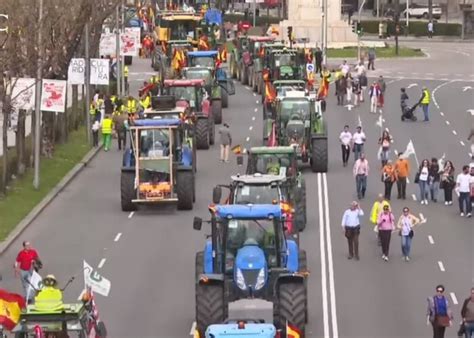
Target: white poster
76,71
108,44
35,284
53,95
100,71
23,93
129,43
95,281
136,32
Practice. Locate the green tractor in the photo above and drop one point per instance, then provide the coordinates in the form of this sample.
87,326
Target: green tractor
286,64
241,44
253,62
282,87
299,121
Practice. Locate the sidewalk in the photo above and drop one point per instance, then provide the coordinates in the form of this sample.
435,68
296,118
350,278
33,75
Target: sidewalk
403,38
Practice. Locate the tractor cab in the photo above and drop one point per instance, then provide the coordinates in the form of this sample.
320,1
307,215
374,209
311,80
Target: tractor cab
205,59
285,64
249,256
283,87
177,25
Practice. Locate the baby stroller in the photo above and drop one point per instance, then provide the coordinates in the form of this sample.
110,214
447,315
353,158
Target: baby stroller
408,112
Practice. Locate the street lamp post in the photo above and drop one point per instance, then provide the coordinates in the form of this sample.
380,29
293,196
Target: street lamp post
117,50
87,82
358,35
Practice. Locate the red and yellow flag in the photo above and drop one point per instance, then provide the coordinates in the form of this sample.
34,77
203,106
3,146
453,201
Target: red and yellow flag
237,149
10,309
324,86
292,331
270,94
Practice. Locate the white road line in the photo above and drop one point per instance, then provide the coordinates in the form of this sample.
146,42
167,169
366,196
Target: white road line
101,263
254,94
131,214
422,217
441,113
395,151
408,180
453,297
332,288
247,139
462,143
250,128
447,122
255,110
413,196
193,328
324,288
248,88
117,238
441,266
436,89
454,132
430,239
257,102
253,118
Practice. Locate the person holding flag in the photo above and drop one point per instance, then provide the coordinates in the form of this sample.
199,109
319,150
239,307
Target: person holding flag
324,86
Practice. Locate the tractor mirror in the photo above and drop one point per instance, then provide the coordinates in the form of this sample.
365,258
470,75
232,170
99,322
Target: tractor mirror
197,223
216,195
240,160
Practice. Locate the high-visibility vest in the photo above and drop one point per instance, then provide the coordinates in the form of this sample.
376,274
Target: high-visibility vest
426,97
125,71
49,299
145,102
132,106
113,98
107,126
92,110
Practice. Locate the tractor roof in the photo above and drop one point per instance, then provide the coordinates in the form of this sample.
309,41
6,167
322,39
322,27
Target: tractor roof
257,38
250,211
284,51
233,330
258,178
181,16
298,96
179,42
157,123
272,150
203,54
184,83
289,82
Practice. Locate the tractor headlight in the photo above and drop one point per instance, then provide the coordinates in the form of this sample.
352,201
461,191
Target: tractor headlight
260,279
240,280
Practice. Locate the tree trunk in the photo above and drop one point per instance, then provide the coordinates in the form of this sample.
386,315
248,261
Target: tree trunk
20,143
33,133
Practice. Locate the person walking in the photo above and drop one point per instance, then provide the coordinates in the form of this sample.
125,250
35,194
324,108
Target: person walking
356,90
467,314
226,142
318,57
402,170
430,29
384,141
374,95
377,208
439,313
405,225
463,181
349,82
447,182
361,171
351,225
119,117
422,179
363,84
425,103
371,55
434,178
383,88
344,67
358,140
107,127
24,265
346,138
95,133
386,223
389,176
341,90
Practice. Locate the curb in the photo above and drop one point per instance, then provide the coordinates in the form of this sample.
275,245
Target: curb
36,211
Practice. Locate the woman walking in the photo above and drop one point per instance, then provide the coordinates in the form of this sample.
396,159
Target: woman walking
349,87
405,225
386,223
422,180
439,313
389,176
384,141
434,178
448,182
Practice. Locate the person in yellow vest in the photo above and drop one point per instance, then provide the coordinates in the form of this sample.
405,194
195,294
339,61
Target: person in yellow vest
50,298
125,77
377,208
425,102
145,101
94,113
107,126
132,105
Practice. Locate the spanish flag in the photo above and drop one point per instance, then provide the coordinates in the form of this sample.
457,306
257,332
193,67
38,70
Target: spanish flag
270,94
292,331
237,149
10,309
324,86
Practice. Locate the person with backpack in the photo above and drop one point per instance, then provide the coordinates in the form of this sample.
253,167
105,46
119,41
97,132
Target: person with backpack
439,313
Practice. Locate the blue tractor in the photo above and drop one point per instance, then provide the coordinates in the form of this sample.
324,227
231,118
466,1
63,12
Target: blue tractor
241,329
249,256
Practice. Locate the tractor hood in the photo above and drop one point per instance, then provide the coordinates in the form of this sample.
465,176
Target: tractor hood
250,267
295,130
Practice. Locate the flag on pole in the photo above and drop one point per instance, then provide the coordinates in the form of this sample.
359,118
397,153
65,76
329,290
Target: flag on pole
10,309
237,149
410,150
292,331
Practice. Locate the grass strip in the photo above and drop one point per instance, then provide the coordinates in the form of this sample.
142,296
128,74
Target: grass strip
384,52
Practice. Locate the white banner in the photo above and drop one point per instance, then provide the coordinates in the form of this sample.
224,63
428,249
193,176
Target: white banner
108,44
100,71
95,281
136,32
23,93
129,43
36,283
76,71
53,95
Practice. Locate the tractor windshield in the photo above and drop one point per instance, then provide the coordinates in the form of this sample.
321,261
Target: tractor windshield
183,93
285,60
294,109
269,163
257,194
154,143
180,30
200,73
203,62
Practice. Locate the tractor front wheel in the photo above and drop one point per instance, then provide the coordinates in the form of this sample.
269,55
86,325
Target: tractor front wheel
127,191
225,99
210,306
319,155
185,189
216,107
202,133
300,201
292,305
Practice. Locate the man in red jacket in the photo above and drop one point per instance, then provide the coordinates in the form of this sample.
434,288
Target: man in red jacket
25,263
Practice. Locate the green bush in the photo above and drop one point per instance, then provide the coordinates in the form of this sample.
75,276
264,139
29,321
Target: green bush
417,28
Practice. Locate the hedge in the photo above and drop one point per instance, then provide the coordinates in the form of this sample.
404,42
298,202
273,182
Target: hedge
262,20
417,28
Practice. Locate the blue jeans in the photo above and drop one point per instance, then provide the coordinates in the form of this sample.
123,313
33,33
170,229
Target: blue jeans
469,329
361,185
423,190
358,149
425,111
25,278
406,246
434,190
465,198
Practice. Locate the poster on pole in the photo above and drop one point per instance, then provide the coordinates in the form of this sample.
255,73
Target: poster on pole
136,32
100,71
23,93
108,44
76,71
129,43
53,95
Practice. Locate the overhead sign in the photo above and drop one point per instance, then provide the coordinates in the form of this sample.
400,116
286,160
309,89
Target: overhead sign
53,95
100,71
95,281
23,93
108,44
76,71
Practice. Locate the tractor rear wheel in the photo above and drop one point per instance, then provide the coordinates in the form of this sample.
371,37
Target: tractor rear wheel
202,133
319,155
127,191
250,76
292,305
199,265
185,189
303,267
244,77
216,107
225,99
212,129
210,306
300,201
101,330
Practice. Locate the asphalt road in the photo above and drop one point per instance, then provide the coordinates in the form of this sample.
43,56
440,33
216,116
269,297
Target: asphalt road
149,255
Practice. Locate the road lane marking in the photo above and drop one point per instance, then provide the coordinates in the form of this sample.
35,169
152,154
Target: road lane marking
247,139
430,239
422,217
454,132
254,94
117,238
324,289
447,122
441,266
436,89
441,113
253,118
257,102
408,180
462,143
250,128
101,263
453,297
131,214
193,328
256,110
248,88
332,289
413,196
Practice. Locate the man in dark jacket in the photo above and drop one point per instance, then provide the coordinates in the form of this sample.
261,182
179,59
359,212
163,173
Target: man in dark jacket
341,90
318,56
467,314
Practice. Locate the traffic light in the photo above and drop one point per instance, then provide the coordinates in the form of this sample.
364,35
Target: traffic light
290,33
357,28
354,27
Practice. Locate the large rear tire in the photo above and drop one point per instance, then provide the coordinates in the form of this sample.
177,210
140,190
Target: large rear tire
244,78
199,265
210,306
185,189
319,155
216,107
250,76
101,330
202,133
300,207
303,267
127,191
225,99
292,305
212,129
